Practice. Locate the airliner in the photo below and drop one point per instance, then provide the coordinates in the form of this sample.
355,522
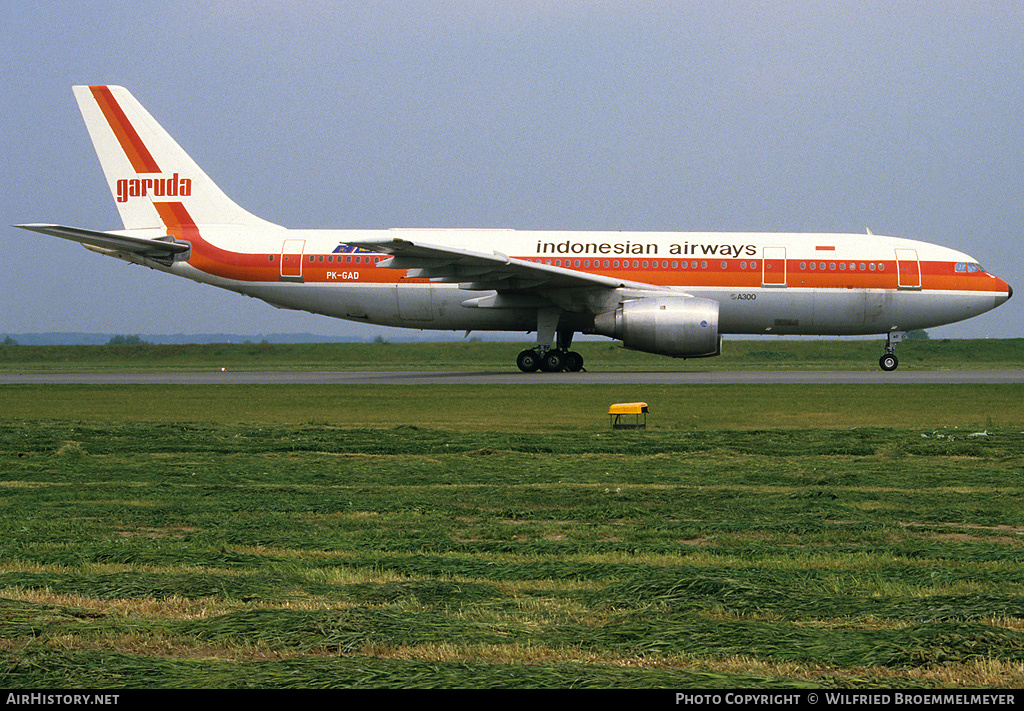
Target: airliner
670,293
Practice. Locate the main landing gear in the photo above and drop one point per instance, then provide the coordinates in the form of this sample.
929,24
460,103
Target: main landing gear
888,362
551,360
543,356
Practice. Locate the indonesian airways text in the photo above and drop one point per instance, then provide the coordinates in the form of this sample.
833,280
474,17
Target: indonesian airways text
568,247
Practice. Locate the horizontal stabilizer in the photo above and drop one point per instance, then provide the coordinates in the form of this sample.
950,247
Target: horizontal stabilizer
153,248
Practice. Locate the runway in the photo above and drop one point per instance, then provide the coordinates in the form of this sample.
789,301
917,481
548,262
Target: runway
821,377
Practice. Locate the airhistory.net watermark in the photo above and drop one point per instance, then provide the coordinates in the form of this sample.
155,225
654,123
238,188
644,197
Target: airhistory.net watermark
53,699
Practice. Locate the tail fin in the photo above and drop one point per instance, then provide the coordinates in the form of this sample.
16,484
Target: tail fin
144,166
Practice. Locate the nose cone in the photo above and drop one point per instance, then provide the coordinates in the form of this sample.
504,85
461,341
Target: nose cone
1003,298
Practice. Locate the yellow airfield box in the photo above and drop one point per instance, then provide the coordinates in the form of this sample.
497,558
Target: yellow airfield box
627,415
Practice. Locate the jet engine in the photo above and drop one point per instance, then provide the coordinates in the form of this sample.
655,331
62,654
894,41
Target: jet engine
681,327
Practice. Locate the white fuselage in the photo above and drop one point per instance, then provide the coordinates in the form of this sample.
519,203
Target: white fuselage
813,284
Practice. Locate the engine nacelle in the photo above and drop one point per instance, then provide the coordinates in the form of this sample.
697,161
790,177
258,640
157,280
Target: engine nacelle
681,327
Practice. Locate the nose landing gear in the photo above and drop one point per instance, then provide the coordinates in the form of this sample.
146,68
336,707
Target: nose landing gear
889,362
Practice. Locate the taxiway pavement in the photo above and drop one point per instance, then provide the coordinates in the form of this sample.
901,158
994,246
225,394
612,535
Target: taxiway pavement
824,377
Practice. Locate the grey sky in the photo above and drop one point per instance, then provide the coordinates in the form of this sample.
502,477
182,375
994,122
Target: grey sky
904,118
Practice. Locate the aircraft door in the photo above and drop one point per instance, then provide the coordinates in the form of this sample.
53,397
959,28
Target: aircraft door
773,266
291,259
415,302
908,269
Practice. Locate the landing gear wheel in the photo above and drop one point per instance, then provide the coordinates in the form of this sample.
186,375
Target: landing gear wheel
573,362
528,361
888,361
553,361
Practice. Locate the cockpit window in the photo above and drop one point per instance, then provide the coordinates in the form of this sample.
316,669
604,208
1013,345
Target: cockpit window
967,268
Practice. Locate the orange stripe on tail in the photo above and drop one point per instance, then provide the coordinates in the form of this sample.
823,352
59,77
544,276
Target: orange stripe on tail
131,144
210,258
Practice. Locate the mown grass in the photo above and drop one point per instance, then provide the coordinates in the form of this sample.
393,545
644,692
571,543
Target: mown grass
514,409
266,536
770,354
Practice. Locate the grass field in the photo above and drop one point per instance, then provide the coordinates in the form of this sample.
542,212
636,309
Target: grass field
460,536
835,354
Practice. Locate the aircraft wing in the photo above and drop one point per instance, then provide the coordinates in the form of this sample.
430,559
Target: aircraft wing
160,248
483,271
